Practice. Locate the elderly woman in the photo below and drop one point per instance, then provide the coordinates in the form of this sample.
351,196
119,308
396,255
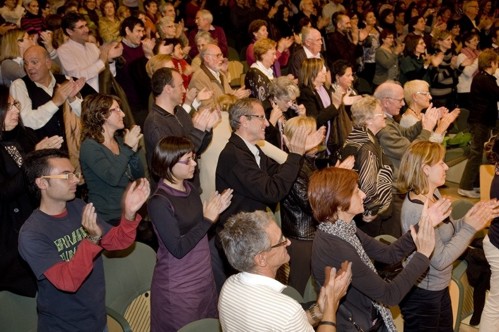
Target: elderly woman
337,239
324,105
387,58
109,162
201,39
280,106
14,43
16,205
261,73
109,23
414,63
375,169
183,288
258,29
422,170
418,98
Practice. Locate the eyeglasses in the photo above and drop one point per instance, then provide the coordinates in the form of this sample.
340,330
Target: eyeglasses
261,117
424,93
66,176
15,104
188,160
280,244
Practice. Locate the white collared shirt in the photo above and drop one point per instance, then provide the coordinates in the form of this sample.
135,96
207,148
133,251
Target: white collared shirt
266,71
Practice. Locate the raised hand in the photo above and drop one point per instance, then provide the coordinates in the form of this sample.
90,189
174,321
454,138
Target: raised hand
316,138
438,212
204,94
89,221
446,120
53,142
134,197
132,137
347,163
62,92
430,118
242,92
76,87
480,215
424,239
216,204
201,118
275,114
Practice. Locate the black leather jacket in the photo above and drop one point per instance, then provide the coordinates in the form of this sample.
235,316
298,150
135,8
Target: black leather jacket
296,214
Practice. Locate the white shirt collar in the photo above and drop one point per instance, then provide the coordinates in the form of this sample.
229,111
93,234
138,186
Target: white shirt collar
310,55
267,71
253,279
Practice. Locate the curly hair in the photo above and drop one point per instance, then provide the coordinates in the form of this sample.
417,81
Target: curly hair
95,111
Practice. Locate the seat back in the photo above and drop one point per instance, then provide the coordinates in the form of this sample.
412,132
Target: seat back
17,313
203,325
293,293
461,294
128,282
459,208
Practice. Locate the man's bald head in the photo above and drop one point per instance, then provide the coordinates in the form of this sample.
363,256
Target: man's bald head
37,64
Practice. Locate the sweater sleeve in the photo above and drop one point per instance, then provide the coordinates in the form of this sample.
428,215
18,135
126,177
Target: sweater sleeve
167,228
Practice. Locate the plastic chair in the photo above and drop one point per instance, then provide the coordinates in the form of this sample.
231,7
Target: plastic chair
203,325
17,313
128,282
461,294
293,293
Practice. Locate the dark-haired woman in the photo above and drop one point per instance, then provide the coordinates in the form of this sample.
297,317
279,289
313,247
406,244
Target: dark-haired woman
109,162
414,63
16,205
183,287
338,239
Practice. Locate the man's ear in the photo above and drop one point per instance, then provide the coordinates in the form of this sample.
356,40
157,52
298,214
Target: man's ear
42,184
260,259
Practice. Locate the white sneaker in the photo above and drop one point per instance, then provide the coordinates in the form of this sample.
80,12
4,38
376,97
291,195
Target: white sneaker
468,193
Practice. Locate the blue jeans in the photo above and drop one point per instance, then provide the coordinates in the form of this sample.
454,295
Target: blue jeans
427,311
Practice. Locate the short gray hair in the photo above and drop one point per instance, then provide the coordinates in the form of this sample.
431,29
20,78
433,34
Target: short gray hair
363,110
244,236
240,108
284,87
384,90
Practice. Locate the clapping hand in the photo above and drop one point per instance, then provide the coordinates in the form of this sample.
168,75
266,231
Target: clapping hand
132,137
347,163
424,239
89,221
216,204
53,142
438,212
134,197
482,213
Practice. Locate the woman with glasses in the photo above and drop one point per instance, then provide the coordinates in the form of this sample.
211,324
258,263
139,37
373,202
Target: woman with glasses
375,170
427,307
183,287
337,239
16,205
418,99
109,161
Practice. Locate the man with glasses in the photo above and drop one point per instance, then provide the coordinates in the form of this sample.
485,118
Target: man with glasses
79,58
204,20
62,241
258,181
395,140
211,74
252,300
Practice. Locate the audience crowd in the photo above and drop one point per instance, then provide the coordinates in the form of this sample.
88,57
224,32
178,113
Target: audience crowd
129,121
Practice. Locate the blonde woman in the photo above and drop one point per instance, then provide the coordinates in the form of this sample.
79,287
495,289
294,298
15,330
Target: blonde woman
422,170
14,43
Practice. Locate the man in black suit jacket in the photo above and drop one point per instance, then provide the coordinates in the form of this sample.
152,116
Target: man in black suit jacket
258,181
312,46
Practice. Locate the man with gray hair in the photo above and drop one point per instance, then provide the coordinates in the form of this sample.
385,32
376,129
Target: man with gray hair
258,181
204,20
312,45
252,300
